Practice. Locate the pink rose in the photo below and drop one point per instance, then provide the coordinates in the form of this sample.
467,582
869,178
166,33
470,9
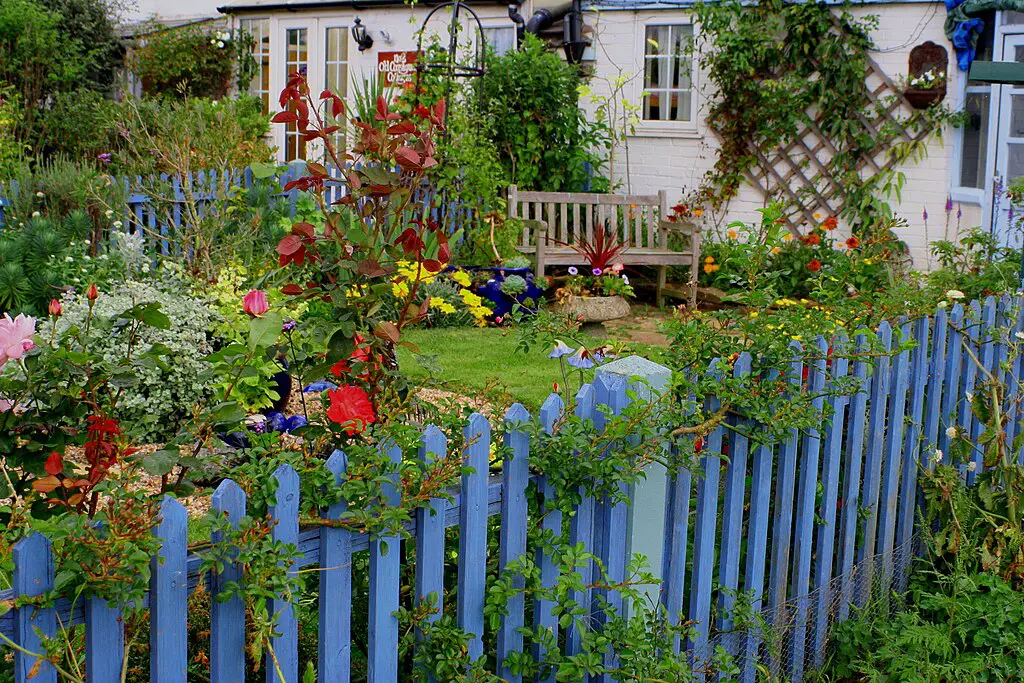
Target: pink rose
16,336
255,303
616,268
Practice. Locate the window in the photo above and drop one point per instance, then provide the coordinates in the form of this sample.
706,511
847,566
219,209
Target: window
977,101
259,30
668,64
296,61
501,40
336,76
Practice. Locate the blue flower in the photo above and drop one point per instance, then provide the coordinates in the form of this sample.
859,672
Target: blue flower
561,349
573,270
597,271
317,387
581,359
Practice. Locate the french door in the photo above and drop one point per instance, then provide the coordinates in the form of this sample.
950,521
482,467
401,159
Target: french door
1009,149
318,49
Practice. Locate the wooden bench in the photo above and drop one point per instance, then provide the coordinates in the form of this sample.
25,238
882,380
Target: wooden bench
554,220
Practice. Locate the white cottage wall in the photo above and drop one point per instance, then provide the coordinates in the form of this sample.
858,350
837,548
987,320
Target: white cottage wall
676,160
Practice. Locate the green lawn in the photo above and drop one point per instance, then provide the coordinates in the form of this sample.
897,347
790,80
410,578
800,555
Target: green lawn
474,359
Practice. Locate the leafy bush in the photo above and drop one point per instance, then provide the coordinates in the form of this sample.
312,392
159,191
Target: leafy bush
11,149
977,265
189,62
159,397
530,97
28,257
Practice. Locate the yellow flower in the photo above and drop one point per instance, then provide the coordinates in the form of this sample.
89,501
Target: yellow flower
732,234
867,262
709,259
753,314
469,298
462,277
796,337
697,213
788,236
776,250
817,216
446,307
400,289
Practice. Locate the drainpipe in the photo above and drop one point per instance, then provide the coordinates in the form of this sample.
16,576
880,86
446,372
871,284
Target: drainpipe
544,18
517,19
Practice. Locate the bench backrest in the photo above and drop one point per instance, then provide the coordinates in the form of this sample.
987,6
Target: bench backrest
633,218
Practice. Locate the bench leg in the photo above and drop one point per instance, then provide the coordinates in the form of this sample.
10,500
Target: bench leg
539,267
659,298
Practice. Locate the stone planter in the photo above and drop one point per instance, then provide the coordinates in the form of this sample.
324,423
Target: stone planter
594,310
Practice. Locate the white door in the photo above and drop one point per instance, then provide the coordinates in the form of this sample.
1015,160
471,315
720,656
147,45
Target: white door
1009,150
297,43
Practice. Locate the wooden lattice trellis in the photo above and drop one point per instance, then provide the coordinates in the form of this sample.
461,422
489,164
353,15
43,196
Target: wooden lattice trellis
797,173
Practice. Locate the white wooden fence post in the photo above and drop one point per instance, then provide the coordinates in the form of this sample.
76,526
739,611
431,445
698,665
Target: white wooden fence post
646,521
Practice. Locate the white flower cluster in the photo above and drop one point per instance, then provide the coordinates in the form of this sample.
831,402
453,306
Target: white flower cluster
220,39
928,80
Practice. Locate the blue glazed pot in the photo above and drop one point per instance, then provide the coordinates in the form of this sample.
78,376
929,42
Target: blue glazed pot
502,303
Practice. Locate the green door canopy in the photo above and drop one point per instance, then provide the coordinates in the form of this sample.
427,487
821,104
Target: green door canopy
1010,73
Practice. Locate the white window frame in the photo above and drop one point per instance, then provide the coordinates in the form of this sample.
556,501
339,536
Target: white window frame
258,54
665,128
344,25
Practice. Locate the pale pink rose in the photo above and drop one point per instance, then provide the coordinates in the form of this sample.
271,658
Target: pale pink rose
255,303
616,268
16,336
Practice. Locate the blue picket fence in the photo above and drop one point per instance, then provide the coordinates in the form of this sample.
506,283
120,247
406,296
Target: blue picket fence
806,528
211,191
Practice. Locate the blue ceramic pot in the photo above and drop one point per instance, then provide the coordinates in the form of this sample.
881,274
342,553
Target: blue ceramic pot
501,302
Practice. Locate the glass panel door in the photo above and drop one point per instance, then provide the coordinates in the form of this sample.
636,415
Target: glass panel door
296,61
1009,151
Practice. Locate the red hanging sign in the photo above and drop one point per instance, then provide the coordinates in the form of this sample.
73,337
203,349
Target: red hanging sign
397,68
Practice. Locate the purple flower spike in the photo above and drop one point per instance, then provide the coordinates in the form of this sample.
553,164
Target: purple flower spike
597,271
949,204
104,158
288,325
924,213
959,211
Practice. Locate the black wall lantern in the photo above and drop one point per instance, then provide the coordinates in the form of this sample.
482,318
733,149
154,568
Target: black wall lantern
364,41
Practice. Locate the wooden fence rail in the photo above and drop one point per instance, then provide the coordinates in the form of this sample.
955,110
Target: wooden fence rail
805,528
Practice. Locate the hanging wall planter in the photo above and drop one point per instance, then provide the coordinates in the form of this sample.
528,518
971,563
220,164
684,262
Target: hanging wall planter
920,98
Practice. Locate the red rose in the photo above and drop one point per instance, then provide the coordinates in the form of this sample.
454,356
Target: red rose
351,408
852,243
811,240
830,223
814,266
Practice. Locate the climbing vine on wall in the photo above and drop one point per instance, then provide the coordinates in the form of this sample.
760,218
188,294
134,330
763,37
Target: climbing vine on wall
783,72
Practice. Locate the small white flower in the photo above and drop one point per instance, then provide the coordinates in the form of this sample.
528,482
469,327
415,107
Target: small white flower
951,432
88,258
220,43
1018,334
118,224
954,294
88,242
108,213
40,194
69,259
36,214
943,304
970,397
145,267
625,279
938,455
971,466
103,257
213,41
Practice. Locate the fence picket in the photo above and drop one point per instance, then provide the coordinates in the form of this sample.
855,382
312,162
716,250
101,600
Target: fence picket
676,529
936,378
581,524
851,490
704,537
782,524
168,596
873,461
285,513
954,355
385,578
515,477
913,446
473,534
986,337
227,618
893,455
972,339
807,494
430,531
732,521
104,641
334,623
550,414
33,576
830,474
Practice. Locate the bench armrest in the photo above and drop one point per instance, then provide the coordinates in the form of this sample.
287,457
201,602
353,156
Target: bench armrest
678,226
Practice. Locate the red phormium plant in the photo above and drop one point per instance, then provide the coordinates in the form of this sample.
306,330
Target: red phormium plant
602,251
350,262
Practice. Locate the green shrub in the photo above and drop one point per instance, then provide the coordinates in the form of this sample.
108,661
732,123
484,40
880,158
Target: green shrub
188,61
29,257
159,398
542,137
